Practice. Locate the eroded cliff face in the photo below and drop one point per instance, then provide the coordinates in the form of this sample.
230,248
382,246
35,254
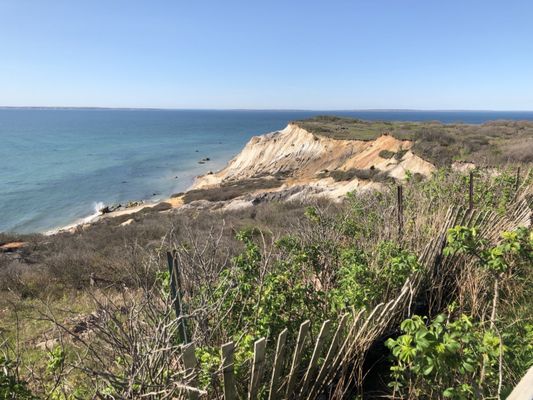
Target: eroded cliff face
304,160
300,165
291,151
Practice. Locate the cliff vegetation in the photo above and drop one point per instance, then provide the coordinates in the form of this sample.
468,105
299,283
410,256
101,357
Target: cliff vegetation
90,314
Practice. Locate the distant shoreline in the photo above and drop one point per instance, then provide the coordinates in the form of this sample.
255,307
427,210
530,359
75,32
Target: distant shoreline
94,218
163,171
342,110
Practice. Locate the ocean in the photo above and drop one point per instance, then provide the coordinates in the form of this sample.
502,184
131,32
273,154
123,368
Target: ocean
58,166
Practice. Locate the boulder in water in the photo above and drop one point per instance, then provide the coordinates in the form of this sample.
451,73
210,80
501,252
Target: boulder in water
110,209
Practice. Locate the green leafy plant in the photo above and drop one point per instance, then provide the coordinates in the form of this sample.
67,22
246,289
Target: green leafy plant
356,282
386,154
56,359
513,254
444,358
12,387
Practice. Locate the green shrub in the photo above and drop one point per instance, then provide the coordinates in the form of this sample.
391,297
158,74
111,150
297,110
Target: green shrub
399,154
386,154
365,174
267,301
11,386
444,358
438,143
230,190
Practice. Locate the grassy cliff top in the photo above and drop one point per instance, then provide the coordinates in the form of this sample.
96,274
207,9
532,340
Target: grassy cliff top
491,143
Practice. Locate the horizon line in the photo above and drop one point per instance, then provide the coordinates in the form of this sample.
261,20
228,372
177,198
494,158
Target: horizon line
258,109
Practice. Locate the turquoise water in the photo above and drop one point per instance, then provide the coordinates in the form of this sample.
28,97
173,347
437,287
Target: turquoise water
58,166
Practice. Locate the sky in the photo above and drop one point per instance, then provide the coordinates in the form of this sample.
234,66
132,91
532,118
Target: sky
291,54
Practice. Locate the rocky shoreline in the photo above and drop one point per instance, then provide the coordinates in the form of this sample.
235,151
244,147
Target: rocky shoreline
290,164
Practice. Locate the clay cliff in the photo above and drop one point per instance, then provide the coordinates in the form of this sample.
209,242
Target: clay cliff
305,164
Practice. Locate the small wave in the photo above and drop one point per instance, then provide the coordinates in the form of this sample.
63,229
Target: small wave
97,206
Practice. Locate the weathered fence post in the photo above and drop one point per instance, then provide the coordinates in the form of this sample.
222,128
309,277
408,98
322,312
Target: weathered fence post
279,362
190,363
332,352
517,181
257,368
230,392
175,292
400,210
471,192
302,334
317,352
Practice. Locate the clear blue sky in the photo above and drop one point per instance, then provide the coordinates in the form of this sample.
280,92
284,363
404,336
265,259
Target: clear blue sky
329,54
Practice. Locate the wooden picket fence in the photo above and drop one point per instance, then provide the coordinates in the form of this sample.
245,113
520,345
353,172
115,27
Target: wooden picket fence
340,347
288,376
